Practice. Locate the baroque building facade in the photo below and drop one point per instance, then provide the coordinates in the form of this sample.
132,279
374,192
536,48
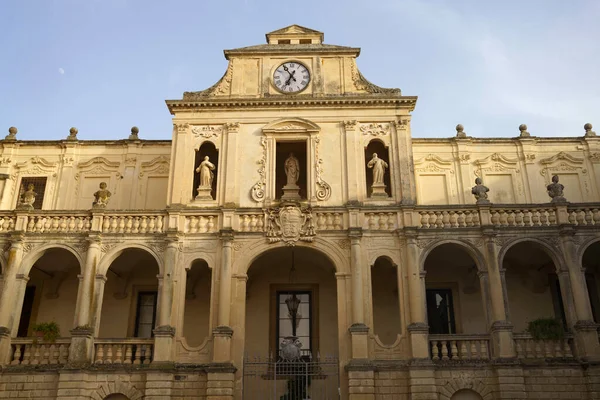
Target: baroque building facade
294,241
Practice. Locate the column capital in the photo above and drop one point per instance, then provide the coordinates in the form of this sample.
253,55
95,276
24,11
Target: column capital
501,326
355,233
226,235
585,326
101,277
22,277
418,327
358,329
223,331
164,331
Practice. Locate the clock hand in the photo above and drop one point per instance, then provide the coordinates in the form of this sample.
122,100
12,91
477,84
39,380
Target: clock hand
291,77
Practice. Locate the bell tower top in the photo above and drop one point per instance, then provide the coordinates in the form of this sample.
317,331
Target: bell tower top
295,34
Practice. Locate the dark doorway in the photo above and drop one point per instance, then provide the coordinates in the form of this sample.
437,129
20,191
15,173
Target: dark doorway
26,311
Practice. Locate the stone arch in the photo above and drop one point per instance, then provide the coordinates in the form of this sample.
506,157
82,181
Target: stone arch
385,255
584,247
454,386
118,387
555,256
209,259
107,260
199,280
30,259
473,251
331,251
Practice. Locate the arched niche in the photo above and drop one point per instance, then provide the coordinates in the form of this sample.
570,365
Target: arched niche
206,149
117,396
386,302
377,147
466,394
198,289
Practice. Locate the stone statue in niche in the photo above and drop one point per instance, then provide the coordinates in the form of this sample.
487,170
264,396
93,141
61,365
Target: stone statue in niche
379,166
28,198
291,191
205,169
480,192
102,197
555,191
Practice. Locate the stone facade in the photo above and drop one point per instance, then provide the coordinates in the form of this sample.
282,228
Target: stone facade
171,281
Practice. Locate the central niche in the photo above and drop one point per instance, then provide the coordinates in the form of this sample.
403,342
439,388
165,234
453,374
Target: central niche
292,153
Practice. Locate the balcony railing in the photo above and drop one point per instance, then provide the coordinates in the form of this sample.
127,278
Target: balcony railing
459,347
30,351
123,351
528,348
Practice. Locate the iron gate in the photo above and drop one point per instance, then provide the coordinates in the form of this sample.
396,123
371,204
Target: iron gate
300,379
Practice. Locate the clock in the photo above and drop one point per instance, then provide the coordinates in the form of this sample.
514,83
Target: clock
291,77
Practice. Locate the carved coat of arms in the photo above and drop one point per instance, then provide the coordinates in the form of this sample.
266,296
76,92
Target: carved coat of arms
289,224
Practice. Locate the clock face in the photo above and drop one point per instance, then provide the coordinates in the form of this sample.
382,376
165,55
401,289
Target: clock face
291,77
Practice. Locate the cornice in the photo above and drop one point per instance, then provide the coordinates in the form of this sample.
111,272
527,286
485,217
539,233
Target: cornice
405,102
292,50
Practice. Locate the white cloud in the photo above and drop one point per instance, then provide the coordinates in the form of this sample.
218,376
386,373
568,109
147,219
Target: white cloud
61,71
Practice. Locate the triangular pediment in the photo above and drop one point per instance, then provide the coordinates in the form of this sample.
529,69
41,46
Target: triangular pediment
293,34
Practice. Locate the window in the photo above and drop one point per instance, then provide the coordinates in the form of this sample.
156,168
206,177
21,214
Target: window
283,41
39,185
440,311
305,41
146,314
282,321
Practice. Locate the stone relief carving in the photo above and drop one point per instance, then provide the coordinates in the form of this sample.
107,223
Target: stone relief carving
258,190
562,162
158,165
181,128
232,126
401,124
375,129
222,87
289,224
207,131
344,244
350,125
433,158
594,157
323,188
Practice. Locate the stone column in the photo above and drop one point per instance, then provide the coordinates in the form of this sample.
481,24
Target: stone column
223,332
501,330
584,327
96,309
165,330
418,328
81,350
358,330
221,372
8,299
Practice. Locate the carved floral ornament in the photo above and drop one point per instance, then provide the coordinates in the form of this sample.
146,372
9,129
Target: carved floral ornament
375,129
207,131
561,162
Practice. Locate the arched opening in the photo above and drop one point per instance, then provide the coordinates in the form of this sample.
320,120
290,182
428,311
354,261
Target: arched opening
130,296
291,301
198,285
207,149
377,147
51,293
285,152
591,263
454,300
386,303
466,394
117,396
532,286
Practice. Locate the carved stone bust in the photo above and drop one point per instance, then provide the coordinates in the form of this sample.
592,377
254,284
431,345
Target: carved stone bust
28,198
102,196
555,191
480,192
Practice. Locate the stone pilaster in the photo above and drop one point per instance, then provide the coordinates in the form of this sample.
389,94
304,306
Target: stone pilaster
8,298
361,380
418,330
81,350
220,381
163,344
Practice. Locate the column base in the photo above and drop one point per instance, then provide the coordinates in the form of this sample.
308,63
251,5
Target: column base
503,345
220,381
587,346
5,347
359,339
81,350
222,344
163,344
361,380
419,340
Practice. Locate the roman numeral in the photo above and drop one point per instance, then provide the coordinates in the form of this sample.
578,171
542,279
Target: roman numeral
278,82
291,65
304,83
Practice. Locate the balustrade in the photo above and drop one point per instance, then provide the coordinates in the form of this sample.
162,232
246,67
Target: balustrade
459,347
123,351
152,223
582,216
201,224
329,221
527,347
527,217
7,223
252,222
59,224
28,351
434,219
381,221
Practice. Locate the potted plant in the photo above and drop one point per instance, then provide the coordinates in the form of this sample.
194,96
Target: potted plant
48,331
546,329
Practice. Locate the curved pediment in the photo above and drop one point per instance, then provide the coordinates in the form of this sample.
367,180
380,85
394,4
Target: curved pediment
291,125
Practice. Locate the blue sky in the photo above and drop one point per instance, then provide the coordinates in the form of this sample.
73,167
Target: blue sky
106,65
